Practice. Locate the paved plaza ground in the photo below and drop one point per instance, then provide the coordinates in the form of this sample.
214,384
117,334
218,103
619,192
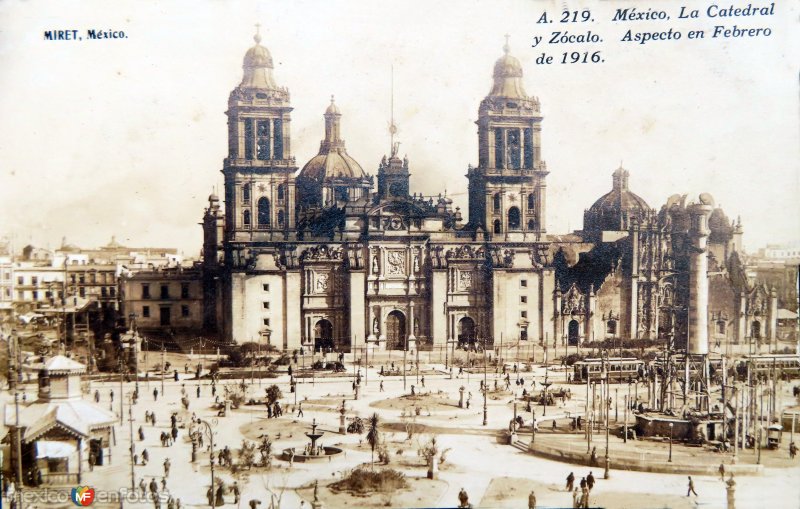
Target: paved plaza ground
494,473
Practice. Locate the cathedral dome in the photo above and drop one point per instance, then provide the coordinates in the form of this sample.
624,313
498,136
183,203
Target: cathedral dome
257,65
614,210
507,76
334,163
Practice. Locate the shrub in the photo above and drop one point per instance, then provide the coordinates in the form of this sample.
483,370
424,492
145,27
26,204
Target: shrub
362,481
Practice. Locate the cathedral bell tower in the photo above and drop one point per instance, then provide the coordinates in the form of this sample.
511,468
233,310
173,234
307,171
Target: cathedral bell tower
259,170
507,189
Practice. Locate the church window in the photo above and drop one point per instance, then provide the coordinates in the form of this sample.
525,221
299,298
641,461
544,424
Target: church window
342,194
185,311
531,224
281,191
531,203
523,314
145,311
263,213
523,299
246,218
278,130
496,201
513,218
265,305
497,227
611,327
265,287
280,218
499,149
721,327
248,138
514,149
262,139
523,283
246,193
145,291
528,148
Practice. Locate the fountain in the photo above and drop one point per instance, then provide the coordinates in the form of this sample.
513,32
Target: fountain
312,451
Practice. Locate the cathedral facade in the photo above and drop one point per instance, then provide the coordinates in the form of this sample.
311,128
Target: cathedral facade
329,256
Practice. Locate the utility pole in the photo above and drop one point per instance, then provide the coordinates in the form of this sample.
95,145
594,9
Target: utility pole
121,397
20,483
405,356
163,352
485,384
130,421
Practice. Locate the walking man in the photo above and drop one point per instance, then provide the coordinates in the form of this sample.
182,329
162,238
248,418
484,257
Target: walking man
155,394
722,471
167,464
691,488
198,390
381,386
570,481
300,409
590,481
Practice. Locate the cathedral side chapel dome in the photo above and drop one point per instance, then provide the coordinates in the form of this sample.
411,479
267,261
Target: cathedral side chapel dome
332,161
614,210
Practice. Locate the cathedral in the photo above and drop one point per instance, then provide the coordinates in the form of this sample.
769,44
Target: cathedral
328,256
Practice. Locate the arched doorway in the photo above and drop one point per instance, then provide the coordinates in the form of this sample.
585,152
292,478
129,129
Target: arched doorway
513,218
755,329
574,334
263,213
466,331
323,334
396,331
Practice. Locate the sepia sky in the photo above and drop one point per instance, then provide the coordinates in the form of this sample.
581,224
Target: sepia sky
127,137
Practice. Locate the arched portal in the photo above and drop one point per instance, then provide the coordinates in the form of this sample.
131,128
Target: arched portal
574,333
323,334
263,213
466,331
396,331
513,218
755,329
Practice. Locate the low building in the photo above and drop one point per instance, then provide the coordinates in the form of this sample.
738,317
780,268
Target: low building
59,430
164,303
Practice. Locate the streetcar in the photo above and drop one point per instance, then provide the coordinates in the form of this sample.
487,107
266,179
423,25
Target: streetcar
766,365
620,369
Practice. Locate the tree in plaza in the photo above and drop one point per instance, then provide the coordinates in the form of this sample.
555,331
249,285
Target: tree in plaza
265,448
273,394
247,454
373,435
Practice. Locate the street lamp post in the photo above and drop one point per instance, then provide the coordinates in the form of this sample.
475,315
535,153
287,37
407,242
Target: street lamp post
606,474
130,421
671,425
211,457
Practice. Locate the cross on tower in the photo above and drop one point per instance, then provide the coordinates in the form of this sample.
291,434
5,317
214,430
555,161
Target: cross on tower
257,37
506,47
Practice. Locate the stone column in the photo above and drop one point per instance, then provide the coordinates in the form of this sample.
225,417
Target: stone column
697,342
411,337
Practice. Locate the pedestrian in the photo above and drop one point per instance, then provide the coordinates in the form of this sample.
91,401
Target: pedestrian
593,458
590,481
174,433
583,483
691,488
570,481
198,390
422,380
164,484
92,461
381,386
145,457
97,396
167,464
155,394
142,487
171,503
153,486
254,503
532,500
554,424
469,398
235,491
112,395
220,496
722,471
141,434
792,450
300,409
463,498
